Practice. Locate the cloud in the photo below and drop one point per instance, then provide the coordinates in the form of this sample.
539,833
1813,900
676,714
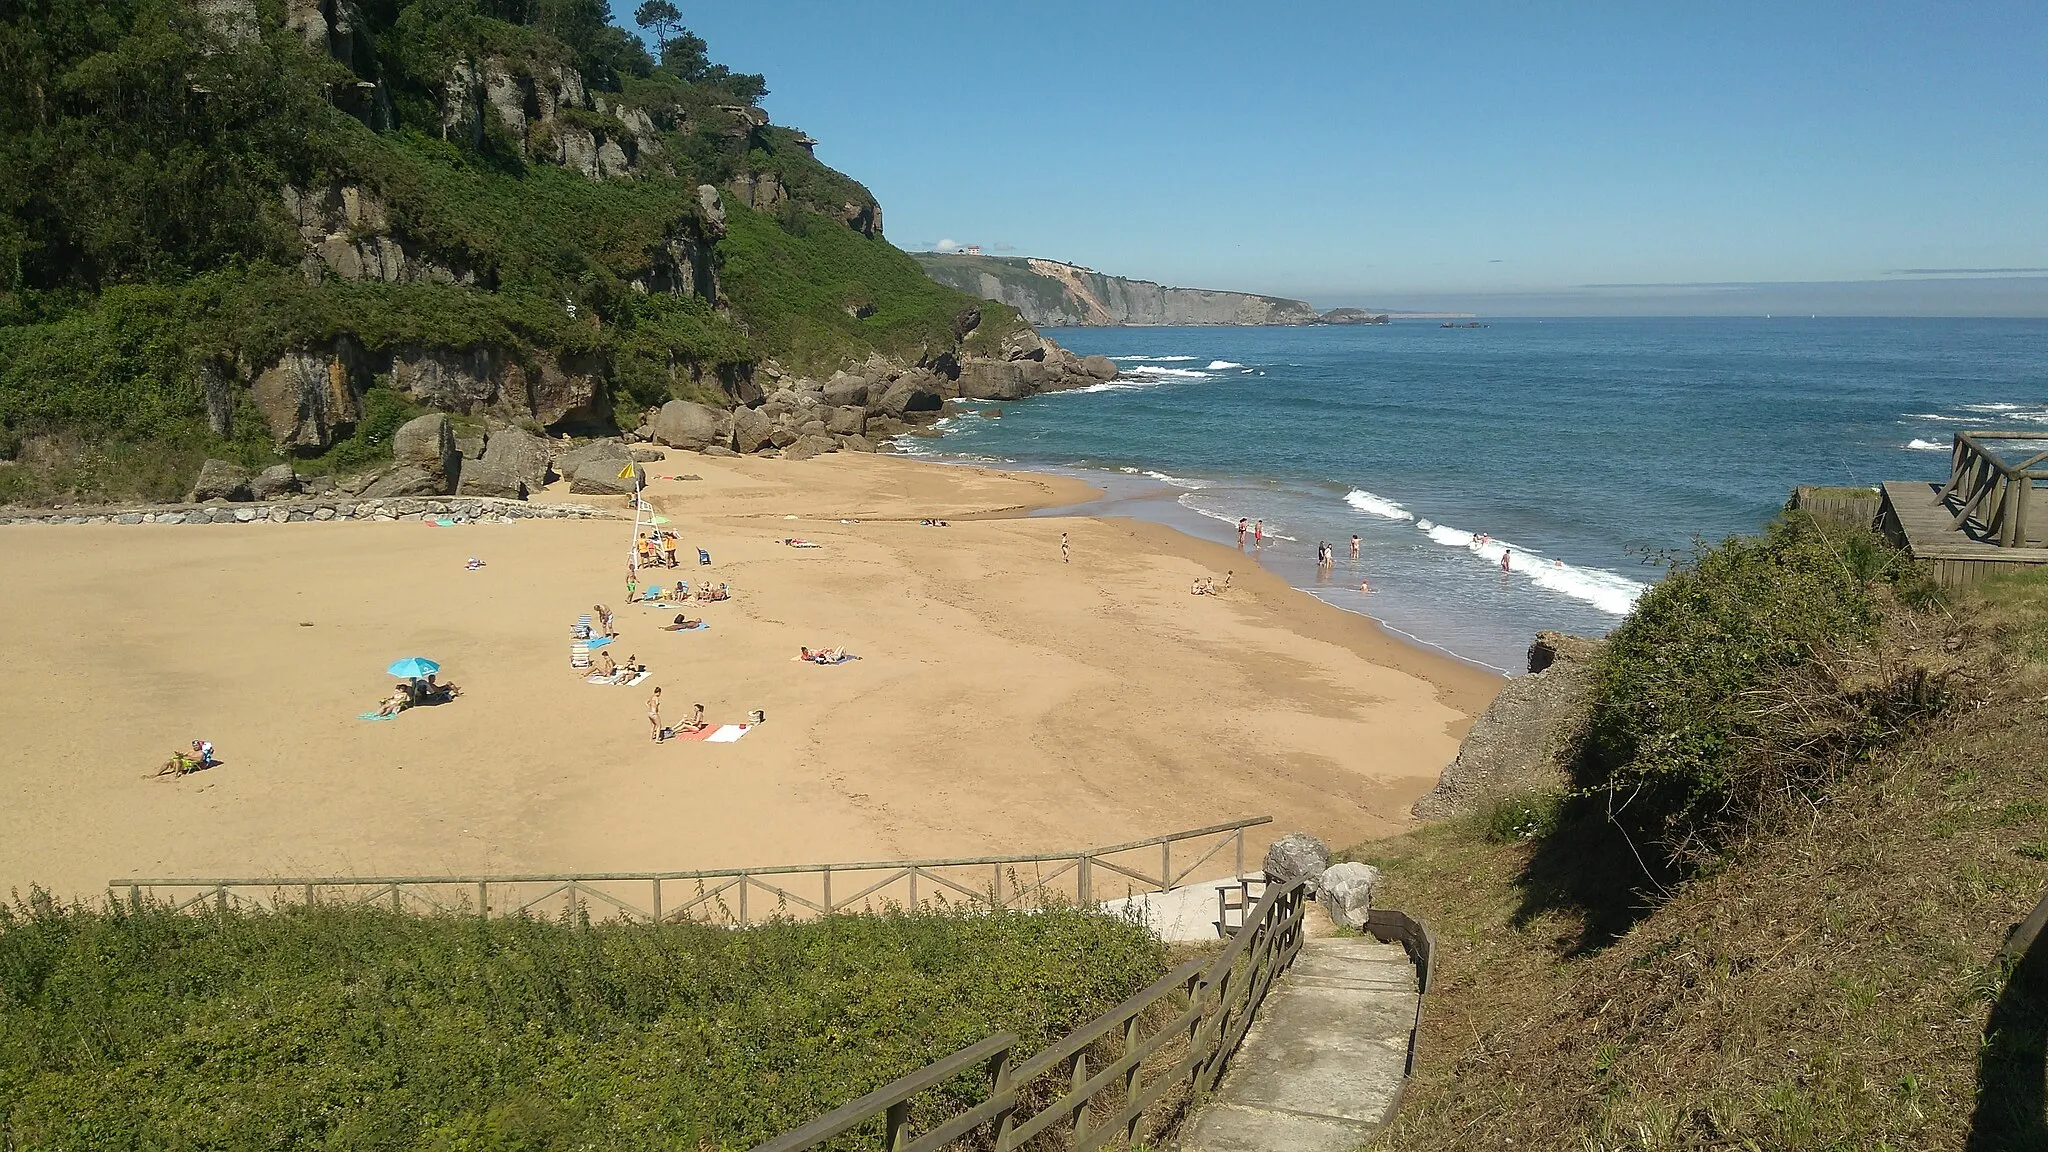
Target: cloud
946,246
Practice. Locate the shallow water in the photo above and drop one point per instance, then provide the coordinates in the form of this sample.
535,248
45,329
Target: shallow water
1590,451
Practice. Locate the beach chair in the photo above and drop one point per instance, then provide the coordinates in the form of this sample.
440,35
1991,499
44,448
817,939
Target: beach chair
703,557
579,654
581,629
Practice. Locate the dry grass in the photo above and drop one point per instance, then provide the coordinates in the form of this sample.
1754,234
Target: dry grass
1830,983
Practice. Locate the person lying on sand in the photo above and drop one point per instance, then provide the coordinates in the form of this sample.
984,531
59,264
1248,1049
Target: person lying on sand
683,623
182,760
821,655
397,702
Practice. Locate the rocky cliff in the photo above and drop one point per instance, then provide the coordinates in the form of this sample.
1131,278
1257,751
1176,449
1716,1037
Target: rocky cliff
355,214
1052,294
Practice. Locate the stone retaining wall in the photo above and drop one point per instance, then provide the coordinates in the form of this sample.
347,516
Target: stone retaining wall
463,509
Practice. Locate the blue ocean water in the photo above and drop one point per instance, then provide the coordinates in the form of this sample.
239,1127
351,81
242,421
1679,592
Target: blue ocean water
1588,449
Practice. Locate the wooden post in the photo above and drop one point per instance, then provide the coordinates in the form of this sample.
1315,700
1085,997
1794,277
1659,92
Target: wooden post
1240,853
743,908
996,888
220,898
657,900
999,1082
483,900
828,891
1165,865
1082,885
1083,1118
896,1126
1131,1078
135,897
913,889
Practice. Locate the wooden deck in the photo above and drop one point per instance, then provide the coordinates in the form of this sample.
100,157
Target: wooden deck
1955,555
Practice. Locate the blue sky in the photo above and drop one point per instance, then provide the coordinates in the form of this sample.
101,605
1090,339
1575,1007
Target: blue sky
1410,155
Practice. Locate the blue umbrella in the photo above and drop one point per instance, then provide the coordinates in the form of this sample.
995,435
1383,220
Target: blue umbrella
414,666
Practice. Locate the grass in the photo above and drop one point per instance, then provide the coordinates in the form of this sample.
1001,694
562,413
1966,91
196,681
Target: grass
1828,980
364,1029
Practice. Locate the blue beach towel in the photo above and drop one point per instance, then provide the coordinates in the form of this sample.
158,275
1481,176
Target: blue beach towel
699,626
600,641
377,716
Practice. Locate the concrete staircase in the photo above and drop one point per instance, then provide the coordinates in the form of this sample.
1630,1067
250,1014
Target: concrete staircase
1324,1062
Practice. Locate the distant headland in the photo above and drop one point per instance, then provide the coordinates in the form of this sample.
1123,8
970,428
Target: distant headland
1057,295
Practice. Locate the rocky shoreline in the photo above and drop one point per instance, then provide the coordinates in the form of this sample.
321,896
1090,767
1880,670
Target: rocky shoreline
459,510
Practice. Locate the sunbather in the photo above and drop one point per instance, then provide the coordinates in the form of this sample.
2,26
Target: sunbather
605,665
200,755
395,703
822,655
683,623
696,721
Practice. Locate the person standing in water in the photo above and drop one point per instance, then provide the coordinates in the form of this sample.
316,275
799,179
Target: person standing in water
1354,546
1504,558
1259,534
1242,523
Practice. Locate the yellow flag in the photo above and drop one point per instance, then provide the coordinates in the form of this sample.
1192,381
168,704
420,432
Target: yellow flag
626,473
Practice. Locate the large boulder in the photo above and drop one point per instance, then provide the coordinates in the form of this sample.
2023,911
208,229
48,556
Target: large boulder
843,390
406,480
1099,367
694,427
428,443
1294,856
514,466
1000,379
1346,893
751,430
847,421
913,393
855,443
273,482
571,462
1513,746
809,446
600,478
220,480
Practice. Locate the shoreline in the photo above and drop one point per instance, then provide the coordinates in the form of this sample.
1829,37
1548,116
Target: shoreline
1006,700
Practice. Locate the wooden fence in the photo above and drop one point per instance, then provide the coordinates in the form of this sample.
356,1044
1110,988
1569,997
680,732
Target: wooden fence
1984,489
1126,1075
746,895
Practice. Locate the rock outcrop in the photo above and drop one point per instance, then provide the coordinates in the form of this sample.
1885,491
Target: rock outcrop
1294,856
513,465
1050,293
220,480
1513,746
1345,892
310,398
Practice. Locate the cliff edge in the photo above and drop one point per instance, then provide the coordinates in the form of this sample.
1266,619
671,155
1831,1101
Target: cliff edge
1052,294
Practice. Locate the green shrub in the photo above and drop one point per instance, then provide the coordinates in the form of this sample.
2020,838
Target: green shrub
1520,816
1719,689
365,1029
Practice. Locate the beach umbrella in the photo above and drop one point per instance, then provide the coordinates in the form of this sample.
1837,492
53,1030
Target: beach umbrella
414,666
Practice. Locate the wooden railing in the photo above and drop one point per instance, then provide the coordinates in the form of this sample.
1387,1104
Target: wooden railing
1126,1074
1986,489
745,895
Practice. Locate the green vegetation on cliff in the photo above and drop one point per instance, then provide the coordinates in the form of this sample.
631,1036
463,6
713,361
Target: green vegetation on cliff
357,1028
1803,810
188,190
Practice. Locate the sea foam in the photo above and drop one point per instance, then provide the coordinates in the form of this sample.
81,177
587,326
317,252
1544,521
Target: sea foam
1149,371
1366,502
1610,592
1161,359
1926,445
1222,365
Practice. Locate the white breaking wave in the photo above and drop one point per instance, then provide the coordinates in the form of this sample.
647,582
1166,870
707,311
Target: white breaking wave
1927,445
1992,407
1149,371
1610,592
1938,416
1161,359
1222,365
1366,502
1178,482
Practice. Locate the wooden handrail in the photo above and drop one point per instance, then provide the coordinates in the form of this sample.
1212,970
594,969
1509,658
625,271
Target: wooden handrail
1221,1002
1995,493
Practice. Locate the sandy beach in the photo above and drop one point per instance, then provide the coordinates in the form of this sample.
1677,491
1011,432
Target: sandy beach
1005,701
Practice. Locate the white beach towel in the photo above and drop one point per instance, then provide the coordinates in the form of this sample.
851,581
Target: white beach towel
727,733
